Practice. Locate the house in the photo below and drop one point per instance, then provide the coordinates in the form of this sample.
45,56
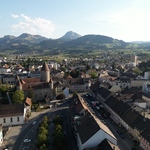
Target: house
101,92
140,103
12,114
35,74
146,97
1,134
145,138
146,87
76,84
89,130
123,82
28,103
9,78
5,69
128,117
141,131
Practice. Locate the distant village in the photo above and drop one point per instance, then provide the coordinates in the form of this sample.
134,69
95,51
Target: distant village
111,82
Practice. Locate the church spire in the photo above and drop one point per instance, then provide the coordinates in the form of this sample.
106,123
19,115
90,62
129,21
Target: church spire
45,73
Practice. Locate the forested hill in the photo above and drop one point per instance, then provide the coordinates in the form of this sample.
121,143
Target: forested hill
70,42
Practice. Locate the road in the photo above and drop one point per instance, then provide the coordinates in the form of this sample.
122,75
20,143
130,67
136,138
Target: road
30,132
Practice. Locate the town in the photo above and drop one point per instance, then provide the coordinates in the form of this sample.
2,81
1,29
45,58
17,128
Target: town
99,103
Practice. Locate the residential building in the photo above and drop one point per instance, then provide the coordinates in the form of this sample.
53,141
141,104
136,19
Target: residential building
12,114
1,134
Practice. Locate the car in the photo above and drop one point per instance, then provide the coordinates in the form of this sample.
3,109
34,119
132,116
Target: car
34,122
27,140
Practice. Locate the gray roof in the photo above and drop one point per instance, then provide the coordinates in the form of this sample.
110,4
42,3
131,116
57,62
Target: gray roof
87,127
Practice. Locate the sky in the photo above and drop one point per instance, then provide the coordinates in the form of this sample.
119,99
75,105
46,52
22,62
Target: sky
127,20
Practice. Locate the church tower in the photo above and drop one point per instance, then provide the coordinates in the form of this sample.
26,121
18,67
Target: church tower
45,73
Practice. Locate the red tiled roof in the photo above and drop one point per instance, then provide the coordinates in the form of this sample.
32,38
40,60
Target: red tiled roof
31,80
36,85
28,101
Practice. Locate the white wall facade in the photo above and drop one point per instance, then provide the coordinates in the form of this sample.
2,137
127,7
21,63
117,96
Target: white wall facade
142,105
12,120
1,136
97,138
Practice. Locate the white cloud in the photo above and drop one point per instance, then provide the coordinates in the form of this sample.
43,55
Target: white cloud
33,26
14,16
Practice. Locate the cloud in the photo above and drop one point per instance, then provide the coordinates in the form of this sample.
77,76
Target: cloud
14,16
30,25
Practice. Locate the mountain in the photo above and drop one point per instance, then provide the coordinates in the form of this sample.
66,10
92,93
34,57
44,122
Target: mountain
71,42
70,36
25,38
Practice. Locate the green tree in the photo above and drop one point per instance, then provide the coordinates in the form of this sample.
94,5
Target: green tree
43,130
42,139
3,90
30,94
43,147
137,71
58,120
93,74
18,97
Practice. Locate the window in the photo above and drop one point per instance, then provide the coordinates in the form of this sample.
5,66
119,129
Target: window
18,119
4,120
11,119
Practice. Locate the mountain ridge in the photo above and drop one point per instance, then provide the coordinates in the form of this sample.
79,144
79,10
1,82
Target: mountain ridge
69,42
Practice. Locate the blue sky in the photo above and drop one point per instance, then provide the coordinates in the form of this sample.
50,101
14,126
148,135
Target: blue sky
127,20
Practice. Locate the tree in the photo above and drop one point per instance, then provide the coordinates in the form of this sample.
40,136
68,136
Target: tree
18,97
93,74
30,94
137,71
74,73
43,147
3,90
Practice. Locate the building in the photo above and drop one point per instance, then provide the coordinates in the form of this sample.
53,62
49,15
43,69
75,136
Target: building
146,87
1,134
42,87
90,131
12,114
